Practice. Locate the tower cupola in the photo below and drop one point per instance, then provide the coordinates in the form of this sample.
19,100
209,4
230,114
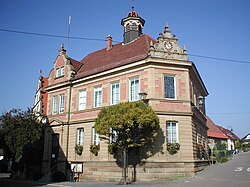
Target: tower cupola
132,25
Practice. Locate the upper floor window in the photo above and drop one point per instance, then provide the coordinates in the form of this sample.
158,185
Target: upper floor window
58,103
55,105
172,132
95,137
134,89
169,87
97,97
60,72
62,101
115,93
82,98
80,136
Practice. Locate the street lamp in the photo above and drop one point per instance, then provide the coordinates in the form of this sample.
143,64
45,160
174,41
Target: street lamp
230,128
143,96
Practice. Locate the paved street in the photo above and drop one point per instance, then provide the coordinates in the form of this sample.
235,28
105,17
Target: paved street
235,173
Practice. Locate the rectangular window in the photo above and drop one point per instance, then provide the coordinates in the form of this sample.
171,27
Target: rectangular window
95,137
82,98
134,89
55,105
172,132
97,97
169,87
62,71
115,93
80,136
113,135
61,106
58,72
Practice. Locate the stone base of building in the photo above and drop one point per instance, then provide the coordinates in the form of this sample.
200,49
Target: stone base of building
150,171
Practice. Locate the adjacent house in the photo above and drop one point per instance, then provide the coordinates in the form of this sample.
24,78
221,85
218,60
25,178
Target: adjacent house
157,68
220,134
246,138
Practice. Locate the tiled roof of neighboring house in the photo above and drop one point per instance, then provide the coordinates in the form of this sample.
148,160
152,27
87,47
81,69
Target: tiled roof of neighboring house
214,130
119,54
229,133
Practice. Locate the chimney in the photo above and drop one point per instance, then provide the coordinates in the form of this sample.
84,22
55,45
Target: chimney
109,42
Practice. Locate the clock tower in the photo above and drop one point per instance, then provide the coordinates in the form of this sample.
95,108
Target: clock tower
133,25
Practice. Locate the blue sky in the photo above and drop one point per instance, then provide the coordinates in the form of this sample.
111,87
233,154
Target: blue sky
214,28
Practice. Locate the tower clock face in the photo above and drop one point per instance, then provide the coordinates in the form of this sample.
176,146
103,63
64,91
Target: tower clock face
168,45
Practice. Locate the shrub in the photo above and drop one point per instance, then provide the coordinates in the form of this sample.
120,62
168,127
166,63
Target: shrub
224,159
58,176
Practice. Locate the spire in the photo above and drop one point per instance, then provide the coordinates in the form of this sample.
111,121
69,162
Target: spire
166,30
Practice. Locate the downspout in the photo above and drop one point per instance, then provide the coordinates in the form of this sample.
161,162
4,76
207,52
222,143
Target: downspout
68,122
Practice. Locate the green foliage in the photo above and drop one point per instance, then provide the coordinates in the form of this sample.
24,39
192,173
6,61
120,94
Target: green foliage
173,148
20,128
246,146
220,146
238,145
136,123
220,153
94,149
224,159
112,148
78,149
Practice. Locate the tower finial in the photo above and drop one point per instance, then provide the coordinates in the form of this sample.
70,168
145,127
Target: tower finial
133,5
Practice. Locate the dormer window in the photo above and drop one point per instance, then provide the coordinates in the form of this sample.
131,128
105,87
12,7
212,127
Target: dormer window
60,72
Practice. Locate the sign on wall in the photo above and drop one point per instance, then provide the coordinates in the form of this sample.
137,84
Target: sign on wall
76,167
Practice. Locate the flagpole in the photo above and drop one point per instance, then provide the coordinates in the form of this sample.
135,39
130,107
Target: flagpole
69,32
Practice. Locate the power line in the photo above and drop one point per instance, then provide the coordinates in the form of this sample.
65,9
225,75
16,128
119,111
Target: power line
221,59
228,113
98,39
53,35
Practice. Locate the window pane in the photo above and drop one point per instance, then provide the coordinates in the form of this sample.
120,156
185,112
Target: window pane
82,100
172,132
57,72
169,87
61,104
62,71
134,89
115,93
95,137
55,105
80,136
97,97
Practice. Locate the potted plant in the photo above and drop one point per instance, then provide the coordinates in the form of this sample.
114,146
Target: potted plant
94,149
78,149
173,148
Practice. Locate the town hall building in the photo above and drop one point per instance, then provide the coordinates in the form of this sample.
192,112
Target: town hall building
159,69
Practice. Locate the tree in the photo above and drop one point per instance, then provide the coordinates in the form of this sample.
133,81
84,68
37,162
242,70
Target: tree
133,128
22,132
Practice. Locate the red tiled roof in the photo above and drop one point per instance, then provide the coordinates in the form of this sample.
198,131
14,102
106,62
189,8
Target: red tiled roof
76,65
118,55
229,134
214,131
